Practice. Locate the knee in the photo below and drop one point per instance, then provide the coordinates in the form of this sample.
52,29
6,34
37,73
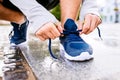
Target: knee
1,8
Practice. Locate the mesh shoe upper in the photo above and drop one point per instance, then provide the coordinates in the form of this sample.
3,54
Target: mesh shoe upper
19,32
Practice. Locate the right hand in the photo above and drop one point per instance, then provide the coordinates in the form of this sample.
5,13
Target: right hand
49,30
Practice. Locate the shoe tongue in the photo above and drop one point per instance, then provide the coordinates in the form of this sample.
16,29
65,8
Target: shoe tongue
70,25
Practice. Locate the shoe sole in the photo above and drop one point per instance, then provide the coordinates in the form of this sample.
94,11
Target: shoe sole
85,56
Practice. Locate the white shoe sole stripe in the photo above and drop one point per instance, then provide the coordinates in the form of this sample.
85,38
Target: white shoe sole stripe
84,56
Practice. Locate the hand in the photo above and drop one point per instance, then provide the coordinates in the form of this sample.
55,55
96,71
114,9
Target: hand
91,21
49,30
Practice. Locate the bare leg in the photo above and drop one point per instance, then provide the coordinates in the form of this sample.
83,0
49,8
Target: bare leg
69,9
11,15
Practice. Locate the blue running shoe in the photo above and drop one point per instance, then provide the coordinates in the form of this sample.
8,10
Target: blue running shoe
72,45
19,32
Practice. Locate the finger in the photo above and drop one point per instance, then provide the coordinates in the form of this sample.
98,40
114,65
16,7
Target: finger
44,36
50,35
59,27
93,25
98,20
41,38
55,32
40,35
86,25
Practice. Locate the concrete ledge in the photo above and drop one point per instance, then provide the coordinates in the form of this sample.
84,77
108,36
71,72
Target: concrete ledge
104,66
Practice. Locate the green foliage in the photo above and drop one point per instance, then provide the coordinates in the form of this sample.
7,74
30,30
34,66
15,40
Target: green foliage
56,12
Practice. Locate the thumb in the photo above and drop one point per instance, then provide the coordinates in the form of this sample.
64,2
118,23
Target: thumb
59,27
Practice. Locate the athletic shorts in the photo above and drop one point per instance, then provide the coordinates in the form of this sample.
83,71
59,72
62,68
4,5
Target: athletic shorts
48,4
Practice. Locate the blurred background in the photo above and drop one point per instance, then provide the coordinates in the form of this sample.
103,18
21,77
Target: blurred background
109,11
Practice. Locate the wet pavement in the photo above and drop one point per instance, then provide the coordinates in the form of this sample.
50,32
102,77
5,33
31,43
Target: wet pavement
104,66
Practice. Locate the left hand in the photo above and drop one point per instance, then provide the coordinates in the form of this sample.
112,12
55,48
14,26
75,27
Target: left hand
91,21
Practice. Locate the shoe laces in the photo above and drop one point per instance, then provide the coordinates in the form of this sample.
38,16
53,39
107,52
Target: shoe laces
67,33
10,34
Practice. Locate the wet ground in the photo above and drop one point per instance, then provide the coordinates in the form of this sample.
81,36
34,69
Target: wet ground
104,66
